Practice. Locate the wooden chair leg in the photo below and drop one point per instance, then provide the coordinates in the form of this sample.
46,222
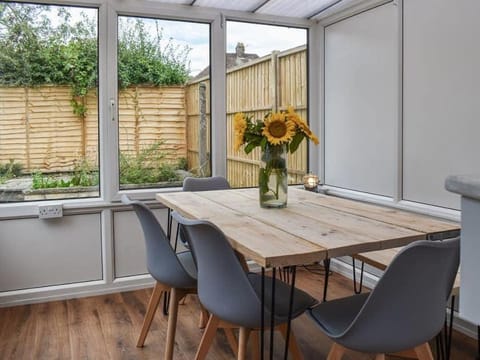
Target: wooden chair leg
256,345
242,343
380,357
175,296
232,341
151,310
336,352
292,342
424,352
202,322
207,338
407,354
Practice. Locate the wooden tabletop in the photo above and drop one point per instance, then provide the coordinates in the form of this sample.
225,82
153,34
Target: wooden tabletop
311,228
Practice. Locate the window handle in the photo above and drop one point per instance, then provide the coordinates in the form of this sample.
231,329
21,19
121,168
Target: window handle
112,109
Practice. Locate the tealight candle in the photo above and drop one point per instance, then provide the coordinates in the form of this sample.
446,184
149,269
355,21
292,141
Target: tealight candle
310,182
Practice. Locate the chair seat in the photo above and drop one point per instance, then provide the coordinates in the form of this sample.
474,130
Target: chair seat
301,300
335,316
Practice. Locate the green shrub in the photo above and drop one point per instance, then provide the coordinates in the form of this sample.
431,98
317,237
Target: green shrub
84,174
182,164
149,166
11,169
41,181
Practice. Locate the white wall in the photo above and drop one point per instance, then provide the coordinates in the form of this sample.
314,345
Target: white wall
441,97
129,247
36,253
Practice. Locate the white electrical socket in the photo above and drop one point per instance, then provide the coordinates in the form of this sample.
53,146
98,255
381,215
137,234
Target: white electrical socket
50,211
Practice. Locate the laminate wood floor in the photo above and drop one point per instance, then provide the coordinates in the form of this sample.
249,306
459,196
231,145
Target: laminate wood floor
106,327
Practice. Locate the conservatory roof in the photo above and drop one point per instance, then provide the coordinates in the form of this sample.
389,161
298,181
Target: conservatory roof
304,9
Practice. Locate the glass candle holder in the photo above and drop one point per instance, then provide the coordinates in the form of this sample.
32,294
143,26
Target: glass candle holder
310,182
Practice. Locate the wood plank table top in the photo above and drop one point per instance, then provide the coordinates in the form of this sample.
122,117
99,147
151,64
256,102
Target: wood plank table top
311,228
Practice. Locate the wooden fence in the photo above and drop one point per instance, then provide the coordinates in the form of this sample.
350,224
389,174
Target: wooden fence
148,115
269,83
39,129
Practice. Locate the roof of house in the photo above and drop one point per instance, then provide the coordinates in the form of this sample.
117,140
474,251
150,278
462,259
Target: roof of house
239,57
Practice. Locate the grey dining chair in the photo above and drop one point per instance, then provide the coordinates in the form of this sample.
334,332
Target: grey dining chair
403,312
232,295
199,184
205,184
173,272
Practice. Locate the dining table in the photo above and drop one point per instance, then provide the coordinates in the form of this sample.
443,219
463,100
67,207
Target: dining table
313,227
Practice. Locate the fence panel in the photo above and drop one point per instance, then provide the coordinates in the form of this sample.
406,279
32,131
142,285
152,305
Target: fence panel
271,82
13,125
152,114
39,129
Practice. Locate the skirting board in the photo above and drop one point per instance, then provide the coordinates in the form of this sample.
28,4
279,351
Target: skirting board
70,291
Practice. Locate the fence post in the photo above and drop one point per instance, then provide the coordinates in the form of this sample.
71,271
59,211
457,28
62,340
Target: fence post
83,122
137,121
27,130
202,138
274,81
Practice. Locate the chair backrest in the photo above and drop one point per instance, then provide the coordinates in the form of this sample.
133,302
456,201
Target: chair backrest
204,184
162,262
223,286
407,307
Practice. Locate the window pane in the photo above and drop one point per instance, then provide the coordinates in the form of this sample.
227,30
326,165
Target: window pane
48,102
163,72
264,74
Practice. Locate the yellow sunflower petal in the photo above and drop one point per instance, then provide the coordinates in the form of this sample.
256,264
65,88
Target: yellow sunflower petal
240,126
314,139
301,124
238,142
239,121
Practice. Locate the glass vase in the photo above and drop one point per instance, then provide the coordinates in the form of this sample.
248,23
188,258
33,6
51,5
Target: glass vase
273,177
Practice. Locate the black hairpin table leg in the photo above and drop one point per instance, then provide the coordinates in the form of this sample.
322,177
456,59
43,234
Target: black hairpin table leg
293,271
354,269
326,264
478,342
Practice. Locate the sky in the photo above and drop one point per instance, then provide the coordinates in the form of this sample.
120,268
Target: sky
197,37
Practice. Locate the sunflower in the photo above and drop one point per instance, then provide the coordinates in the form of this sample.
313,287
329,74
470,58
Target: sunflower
301,124
240,125
278,129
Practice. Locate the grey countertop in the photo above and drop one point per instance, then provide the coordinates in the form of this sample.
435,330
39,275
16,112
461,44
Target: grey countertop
465,185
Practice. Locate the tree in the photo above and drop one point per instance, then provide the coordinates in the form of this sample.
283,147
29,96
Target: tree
144,59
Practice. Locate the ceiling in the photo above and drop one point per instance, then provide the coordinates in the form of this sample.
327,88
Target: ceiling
304,9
